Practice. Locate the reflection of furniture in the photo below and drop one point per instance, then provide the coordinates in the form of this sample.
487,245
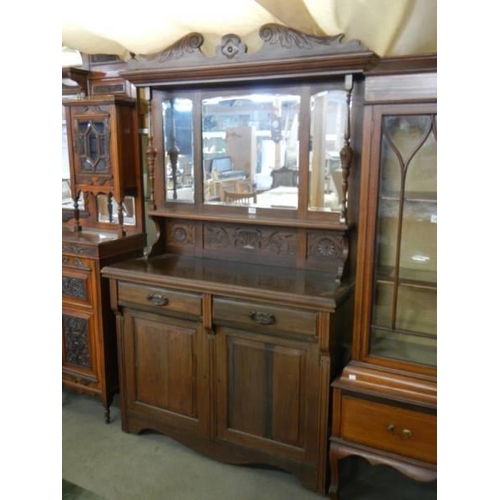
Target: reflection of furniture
223,168
241,145
238,198
100,168
284,176
279,197
243,193
385,401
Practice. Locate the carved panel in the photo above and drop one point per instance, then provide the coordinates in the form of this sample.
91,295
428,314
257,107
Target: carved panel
327,247
180,234
186,46
76,340
252,239
70,261
110,88
74,287
79,250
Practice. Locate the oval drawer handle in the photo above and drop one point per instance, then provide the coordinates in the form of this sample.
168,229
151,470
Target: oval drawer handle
157,299
262,318
405,433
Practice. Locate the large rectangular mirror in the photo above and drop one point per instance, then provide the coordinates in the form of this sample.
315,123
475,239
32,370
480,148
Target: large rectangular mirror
252,143
251,149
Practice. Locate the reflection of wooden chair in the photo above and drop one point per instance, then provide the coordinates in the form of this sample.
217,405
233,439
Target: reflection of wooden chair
284,176
239,198
242,193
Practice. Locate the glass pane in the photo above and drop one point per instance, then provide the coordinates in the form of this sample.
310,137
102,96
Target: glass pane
93,146
251,149
178,134
404,310
107,210
403,346
328,124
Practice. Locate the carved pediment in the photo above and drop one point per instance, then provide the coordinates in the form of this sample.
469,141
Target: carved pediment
284,51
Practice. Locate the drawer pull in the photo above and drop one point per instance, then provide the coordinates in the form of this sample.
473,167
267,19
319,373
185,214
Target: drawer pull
157,299
405,433
262,318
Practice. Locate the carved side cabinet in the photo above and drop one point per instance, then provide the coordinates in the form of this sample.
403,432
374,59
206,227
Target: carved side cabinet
102,224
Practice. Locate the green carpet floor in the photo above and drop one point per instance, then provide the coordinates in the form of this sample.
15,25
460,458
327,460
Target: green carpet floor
100,461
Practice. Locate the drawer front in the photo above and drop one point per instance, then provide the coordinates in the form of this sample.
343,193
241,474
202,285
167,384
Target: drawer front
77,281
397,430
265,317
160,298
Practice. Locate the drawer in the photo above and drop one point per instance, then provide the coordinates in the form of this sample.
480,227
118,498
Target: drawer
265,317
160,298
77,286
398,430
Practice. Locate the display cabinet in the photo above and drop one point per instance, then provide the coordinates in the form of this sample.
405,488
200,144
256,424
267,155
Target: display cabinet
231,329
385,401
102,224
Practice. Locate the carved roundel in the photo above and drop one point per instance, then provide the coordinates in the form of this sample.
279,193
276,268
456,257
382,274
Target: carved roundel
325,247
180,235
322,246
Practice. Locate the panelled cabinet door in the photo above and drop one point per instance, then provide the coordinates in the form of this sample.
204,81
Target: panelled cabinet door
267,393
78,338
163,368
403,319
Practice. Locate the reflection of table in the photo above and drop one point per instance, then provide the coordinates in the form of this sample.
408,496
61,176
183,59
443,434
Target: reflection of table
287,197
279,197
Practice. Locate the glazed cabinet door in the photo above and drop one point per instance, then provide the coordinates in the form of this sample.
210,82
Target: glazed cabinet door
164,371
399,264
267,393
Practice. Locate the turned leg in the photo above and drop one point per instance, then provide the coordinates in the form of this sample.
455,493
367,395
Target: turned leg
107,415
334,474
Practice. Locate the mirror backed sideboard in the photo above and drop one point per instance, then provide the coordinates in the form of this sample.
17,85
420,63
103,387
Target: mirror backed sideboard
234,325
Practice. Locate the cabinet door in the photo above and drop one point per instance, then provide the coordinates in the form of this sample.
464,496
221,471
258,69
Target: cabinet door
402,291
79,361
267,391
164,370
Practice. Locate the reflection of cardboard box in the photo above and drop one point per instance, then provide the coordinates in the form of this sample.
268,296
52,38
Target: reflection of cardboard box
241,146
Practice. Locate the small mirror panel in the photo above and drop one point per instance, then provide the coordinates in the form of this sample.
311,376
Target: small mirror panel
328,124
178,136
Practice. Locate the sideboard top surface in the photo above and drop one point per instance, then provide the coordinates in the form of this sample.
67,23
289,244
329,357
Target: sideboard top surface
309,289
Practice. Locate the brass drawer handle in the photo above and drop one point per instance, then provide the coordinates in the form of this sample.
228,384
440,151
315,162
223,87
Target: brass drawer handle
157,299
405,433
262,318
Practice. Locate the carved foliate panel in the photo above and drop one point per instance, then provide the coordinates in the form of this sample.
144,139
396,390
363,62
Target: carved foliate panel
76,340
69,261
251,239
80,250
74,287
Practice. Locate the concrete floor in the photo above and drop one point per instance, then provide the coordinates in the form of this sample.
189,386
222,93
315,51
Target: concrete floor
100,461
